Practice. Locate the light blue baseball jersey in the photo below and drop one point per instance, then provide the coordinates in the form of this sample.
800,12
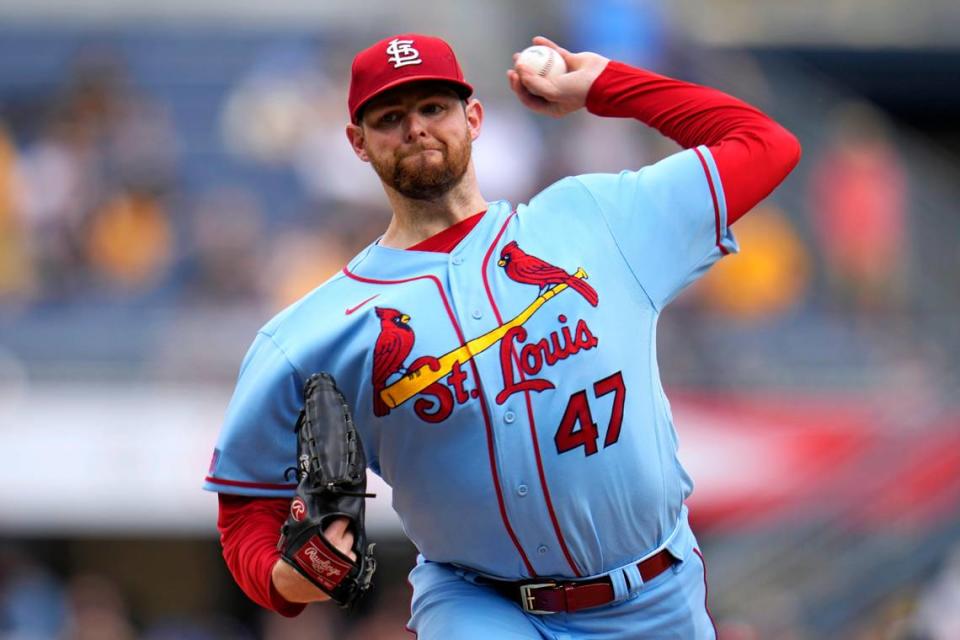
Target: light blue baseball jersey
507,391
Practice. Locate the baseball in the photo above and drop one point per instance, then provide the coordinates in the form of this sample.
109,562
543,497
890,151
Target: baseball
544,61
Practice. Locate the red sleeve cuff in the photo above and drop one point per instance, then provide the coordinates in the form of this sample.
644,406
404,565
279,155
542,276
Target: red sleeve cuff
283,606
606,94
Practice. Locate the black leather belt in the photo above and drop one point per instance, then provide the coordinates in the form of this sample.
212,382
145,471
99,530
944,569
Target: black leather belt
550,596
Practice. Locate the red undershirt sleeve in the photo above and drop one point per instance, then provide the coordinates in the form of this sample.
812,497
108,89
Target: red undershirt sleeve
752,152
249,530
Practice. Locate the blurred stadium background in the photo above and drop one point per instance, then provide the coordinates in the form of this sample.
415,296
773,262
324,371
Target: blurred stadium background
172,174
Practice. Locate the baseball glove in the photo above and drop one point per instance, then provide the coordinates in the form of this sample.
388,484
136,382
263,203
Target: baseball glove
332,483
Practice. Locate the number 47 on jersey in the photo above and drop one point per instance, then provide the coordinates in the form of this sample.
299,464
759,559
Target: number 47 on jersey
570,436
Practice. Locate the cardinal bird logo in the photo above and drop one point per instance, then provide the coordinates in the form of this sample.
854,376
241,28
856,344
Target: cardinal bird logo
527,269
392,348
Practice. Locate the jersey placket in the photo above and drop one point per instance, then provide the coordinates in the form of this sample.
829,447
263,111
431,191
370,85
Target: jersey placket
516,466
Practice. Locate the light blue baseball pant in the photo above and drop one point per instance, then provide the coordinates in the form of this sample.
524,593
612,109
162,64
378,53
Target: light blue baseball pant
447,605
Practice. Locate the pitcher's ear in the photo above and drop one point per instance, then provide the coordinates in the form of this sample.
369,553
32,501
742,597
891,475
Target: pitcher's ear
356,139
473,110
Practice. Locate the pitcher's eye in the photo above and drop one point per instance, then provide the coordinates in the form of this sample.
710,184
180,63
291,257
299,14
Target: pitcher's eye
391,117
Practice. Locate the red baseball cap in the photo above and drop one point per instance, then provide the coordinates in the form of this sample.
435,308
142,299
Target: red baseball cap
400,59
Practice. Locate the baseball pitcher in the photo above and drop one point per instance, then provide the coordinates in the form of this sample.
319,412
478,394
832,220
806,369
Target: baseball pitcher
497,362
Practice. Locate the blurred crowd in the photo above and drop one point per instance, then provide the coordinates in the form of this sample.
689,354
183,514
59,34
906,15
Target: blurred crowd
107,194
93,204
85,181
38,604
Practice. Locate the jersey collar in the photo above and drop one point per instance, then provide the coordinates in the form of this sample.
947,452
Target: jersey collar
377,261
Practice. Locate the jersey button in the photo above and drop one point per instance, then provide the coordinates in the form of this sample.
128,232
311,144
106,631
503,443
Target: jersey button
509,417
477,314
522,490
457,260
542,549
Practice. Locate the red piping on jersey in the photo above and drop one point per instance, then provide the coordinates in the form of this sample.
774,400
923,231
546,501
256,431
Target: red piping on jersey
706,592
250,485
533,428
483,403
713,194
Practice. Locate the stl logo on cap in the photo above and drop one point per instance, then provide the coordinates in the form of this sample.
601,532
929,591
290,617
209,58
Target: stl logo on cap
395,61
401,53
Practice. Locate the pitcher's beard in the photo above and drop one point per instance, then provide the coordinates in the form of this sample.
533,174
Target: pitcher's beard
422,179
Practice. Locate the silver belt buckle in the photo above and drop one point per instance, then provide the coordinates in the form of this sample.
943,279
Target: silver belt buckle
527,599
